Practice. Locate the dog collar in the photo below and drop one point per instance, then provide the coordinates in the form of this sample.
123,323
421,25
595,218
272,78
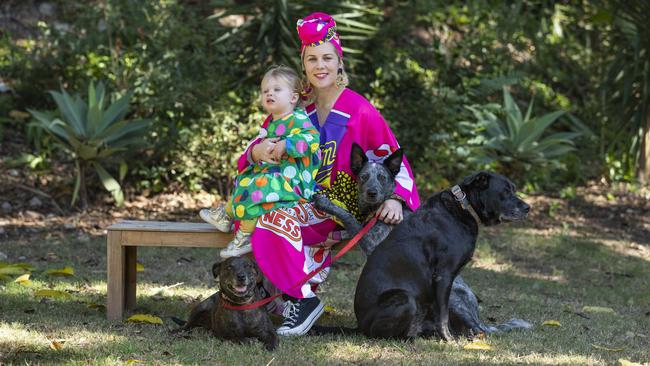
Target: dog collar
461,197
226,299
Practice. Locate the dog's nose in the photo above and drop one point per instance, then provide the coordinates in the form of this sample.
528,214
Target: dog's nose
371,193
241,276
525,207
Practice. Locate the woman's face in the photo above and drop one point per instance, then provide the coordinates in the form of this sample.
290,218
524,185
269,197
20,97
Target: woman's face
321,65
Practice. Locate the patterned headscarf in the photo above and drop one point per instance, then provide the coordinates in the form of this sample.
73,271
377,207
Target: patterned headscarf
316,29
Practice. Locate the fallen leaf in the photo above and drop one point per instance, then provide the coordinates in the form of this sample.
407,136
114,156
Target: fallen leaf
56,345
607,348
51,293
145,318
624,362
12,269
94,305
328,309
478,346
65,271
552,323
132,361
22,278
598,309
139,267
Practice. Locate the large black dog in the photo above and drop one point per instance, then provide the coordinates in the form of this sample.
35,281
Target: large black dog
238,284
404,288
376,183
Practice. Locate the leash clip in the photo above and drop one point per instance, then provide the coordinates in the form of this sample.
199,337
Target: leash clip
459,195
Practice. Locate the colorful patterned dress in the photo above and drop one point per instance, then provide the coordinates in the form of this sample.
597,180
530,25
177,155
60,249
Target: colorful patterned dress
290,242
265,187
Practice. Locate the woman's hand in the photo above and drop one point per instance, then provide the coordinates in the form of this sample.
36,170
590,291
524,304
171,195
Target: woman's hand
390,212
264,151
280,151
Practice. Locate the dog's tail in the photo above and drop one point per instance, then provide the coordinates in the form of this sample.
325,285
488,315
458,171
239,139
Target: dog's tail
511,324
178,321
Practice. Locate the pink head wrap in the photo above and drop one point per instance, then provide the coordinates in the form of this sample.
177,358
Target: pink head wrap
316,29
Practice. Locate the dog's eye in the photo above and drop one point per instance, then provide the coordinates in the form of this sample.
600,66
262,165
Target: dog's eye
364,176
382,179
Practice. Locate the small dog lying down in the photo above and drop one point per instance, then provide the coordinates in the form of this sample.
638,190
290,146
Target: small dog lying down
376,184
238,279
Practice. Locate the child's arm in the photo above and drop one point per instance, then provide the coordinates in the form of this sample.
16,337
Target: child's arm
303,139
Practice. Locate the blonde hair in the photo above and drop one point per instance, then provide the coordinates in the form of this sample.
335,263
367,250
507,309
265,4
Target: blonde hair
286,74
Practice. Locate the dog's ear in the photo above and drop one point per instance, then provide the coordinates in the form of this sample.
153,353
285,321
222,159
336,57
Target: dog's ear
479,181
394,162
357,158
216,267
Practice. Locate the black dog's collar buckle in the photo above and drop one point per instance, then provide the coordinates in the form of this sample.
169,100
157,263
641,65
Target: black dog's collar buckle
461,197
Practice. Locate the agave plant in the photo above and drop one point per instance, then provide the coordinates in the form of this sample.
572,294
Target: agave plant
94,132
517,143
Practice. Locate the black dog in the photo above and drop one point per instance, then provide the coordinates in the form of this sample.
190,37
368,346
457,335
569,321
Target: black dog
238,285
376,183
405,286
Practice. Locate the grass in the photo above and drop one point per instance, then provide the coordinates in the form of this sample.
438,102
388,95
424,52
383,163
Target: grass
517,271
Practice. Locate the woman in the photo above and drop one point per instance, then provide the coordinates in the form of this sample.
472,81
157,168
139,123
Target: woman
289,243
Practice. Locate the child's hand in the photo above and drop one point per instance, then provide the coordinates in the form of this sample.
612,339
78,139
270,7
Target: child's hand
280,151
264,151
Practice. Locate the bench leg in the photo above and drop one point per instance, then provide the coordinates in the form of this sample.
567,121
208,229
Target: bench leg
130,279
116,275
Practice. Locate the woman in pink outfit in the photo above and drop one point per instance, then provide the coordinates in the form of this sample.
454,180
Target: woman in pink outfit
289,243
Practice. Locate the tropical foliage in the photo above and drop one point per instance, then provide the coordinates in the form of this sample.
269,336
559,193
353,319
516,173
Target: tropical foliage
94,132
194,68
517,142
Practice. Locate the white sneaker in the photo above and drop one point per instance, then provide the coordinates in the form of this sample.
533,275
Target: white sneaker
218,218
240,245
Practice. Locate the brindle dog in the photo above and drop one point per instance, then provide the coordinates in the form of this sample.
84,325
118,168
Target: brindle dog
238,285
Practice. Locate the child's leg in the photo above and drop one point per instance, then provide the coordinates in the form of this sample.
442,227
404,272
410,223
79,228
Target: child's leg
241,243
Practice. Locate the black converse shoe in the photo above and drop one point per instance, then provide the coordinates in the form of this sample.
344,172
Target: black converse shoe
300,315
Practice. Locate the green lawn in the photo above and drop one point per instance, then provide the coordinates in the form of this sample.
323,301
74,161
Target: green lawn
518,271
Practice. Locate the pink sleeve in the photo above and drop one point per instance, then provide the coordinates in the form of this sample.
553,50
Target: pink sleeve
382,142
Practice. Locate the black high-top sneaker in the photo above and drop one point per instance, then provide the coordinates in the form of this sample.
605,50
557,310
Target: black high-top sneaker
300,315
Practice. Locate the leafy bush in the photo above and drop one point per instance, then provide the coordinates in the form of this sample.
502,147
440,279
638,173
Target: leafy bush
94,133
516,142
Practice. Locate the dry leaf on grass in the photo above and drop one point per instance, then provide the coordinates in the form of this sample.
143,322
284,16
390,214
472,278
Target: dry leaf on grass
23,280
139,267
52,293
132,361
624,362
145,318
57,345
552,323
65,271
482,346
607,348
9,269
598,309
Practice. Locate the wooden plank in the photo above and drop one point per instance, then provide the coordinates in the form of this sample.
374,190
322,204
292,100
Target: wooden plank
115,276
163,226
130,277
176,239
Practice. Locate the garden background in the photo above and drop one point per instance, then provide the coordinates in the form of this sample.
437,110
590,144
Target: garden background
114,109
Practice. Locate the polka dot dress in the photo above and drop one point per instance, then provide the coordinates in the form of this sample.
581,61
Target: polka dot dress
264,187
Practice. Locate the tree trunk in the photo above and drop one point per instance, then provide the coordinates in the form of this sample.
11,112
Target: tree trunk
83,193
644,159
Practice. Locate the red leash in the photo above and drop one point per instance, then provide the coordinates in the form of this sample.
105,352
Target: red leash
346,248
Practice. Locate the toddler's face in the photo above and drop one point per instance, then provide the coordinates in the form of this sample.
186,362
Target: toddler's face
277,96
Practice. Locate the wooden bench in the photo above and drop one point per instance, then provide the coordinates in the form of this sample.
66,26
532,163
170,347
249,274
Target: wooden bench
123,241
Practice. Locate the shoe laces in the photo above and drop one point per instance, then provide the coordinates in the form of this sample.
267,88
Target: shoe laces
290,312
